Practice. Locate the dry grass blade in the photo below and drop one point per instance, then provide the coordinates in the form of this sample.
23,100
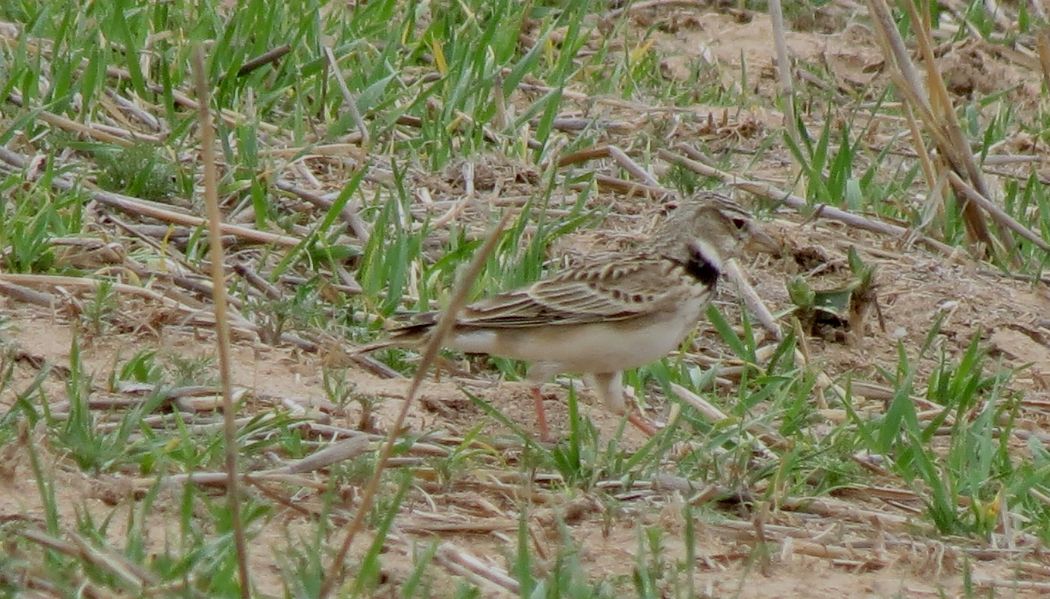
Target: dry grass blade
264,59
774,194
1042,43
608,151
469,566
27,295
632,167
1014,585
348,97
966,190
787,89
337,452
444,325
132,575
349,212
935,110
222,329
142,208
93,285
751,298
93,133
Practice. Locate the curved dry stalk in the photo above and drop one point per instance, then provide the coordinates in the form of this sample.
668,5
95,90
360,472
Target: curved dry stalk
222,327
348,97
444,325
933,106
999,215
1042,44
787,88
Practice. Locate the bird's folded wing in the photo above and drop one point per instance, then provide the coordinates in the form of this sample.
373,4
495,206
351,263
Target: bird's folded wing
590,293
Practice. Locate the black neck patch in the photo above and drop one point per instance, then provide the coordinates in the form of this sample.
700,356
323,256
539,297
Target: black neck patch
701,269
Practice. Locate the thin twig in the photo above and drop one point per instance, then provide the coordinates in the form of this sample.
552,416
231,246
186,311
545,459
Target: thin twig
27,295
1042,44
751,298
631,166
124,139
140,207
222,328
349,212
787,88
774,194
444,325
263,59
998,214
93,285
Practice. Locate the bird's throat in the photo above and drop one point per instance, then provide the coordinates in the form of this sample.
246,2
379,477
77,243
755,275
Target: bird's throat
701,268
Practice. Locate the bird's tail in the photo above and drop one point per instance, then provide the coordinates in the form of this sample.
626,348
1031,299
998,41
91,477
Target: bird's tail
412,334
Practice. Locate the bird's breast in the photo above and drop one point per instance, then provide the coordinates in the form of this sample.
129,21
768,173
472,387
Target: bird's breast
604,346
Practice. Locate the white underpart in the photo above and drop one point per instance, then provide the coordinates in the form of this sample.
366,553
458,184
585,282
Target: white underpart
594,348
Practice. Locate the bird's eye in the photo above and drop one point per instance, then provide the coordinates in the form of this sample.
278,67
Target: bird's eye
740,223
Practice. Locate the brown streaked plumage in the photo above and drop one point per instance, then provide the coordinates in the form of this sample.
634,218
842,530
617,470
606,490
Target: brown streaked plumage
610,313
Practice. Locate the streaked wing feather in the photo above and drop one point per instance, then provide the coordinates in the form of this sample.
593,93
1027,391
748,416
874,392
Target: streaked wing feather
589,293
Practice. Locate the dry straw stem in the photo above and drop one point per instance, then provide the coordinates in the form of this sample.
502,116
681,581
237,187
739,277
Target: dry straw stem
91,284
935,197
787,88
714,415
117,137
774,194
998,214
1042,44
935,110
140,207
444,325
751,298
132,576
349,212
464,564
263,59
649,186
222,328
614,152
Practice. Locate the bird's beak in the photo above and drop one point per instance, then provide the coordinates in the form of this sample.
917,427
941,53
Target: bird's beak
764,242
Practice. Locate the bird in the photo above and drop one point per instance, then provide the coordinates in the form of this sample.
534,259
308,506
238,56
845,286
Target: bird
607,314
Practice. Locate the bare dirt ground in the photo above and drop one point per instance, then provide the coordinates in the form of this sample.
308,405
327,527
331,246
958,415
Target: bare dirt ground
860,543
867,542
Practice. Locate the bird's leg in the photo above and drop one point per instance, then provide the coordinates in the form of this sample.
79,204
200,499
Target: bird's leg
539,373
541,413
609,386
642,423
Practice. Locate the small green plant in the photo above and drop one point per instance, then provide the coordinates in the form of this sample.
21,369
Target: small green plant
191,370
140,170
844,307
100,309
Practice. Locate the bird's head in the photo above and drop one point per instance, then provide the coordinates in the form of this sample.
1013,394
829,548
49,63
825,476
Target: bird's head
711,227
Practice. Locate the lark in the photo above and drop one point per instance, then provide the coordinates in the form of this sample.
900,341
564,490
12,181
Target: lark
607,314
